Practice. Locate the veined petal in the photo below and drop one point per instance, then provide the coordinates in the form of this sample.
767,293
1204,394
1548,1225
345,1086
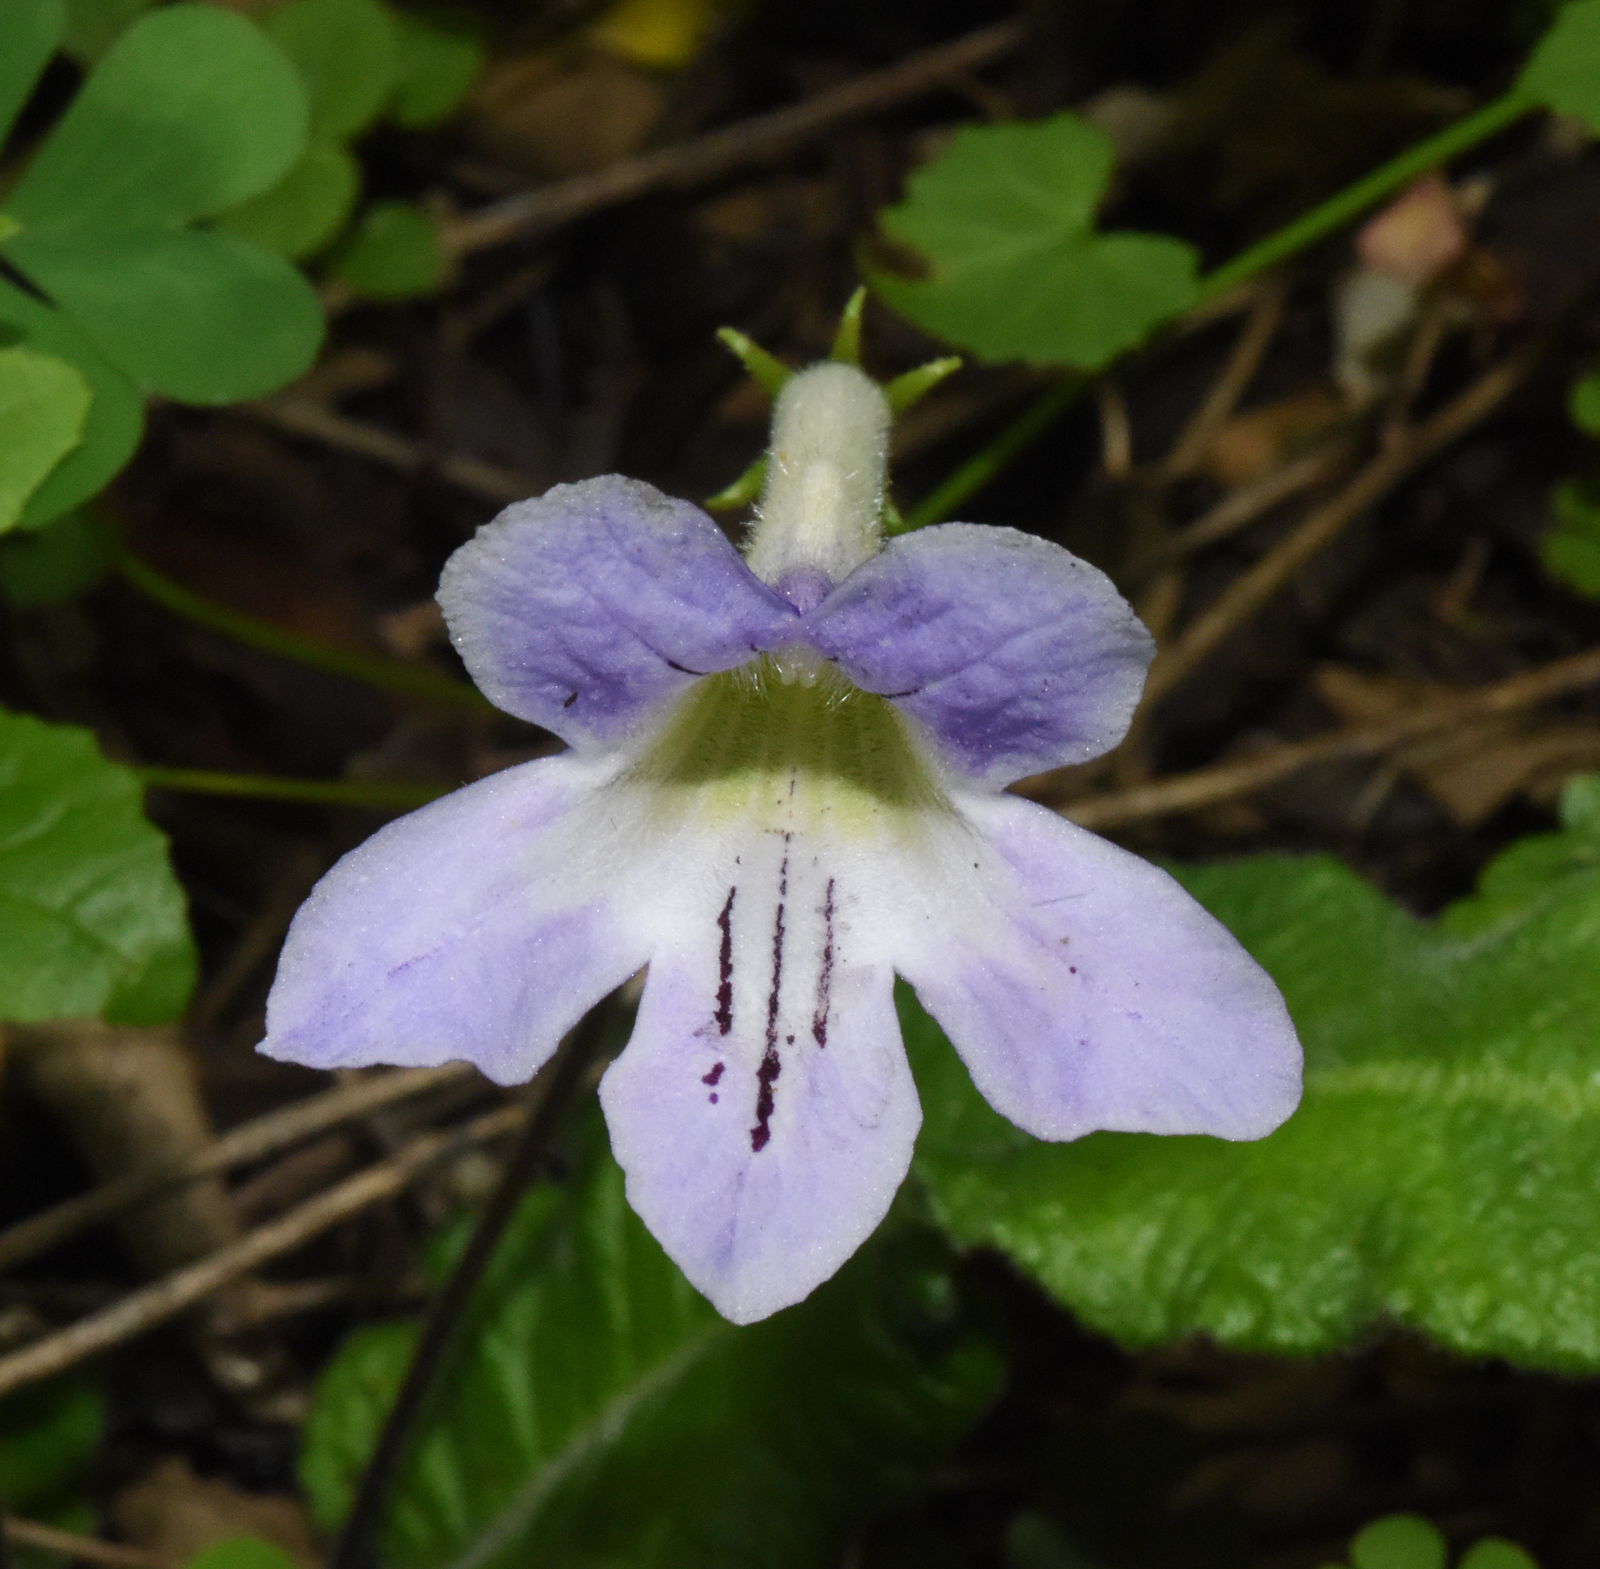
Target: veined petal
1015,655
1085,989
482,927
587,608
763,1111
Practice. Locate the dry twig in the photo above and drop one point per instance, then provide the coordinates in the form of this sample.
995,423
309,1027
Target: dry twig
82,1549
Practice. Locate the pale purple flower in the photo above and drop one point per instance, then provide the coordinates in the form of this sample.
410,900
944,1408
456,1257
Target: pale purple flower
784,786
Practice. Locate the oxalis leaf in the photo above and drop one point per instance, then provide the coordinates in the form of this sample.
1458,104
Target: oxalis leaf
1004,219
599,1412
93,919
43,405
1440,1173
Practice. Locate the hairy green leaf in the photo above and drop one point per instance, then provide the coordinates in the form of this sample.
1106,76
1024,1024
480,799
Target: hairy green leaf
115,420
600,1413
44,404
1004,220
1439,1174
1563,72
94,921
346,51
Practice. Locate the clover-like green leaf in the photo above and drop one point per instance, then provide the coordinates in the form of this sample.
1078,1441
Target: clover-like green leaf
347,54
436,65
30,32
192,110
1563,72
115,420
591,1372
199,316
44,404
1004,220
1440,1172
93,918
305,209
395,252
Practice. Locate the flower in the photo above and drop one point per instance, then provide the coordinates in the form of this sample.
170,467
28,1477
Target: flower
784,786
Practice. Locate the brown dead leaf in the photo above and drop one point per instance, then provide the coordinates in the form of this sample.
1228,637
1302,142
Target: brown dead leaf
1260,440
173,1512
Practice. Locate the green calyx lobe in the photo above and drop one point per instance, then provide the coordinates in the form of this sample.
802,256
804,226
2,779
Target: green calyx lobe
815,750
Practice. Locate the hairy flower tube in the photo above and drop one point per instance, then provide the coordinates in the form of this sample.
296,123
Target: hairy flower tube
784,785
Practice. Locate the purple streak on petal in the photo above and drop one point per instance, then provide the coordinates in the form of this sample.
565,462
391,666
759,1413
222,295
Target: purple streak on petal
443,937
586,607
1013,653
763,1187
1085,989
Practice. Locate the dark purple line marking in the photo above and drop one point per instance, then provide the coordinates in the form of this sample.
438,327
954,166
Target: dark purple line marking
771,1065
724,1013
819,1019
715,1075
686,670
569,700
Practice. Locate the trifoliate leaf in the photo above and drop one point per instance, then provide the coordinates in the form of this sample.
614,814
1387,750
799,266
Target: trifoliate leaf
436,65
115,421
1570,548
394,253
196,315
1439,1174
192,110
94,921
44,404
346,51
30,32
590,1372
1563,72
305,209
1004,219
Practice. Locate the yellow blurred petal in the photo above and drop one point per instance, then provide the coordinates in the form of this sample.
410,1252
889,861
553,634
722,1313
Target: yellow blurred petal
662,34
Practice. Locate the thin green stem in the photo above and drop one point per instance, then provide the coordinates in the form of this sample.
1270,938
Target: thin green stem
271,787
1288,241
1366,193
390,675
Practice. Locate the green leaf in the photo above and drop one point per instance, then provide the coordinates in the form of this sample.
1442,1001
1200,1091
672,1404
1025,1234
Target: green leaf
44,405
94,919
192,110
305,209
1493,1553
94,25
347,54
436,66
49,1434
201,317
243,1552
1583,403
1439,1174
1570,549
52,566
1398,1542
1563,72
395,253
116,415
592,1373
30,32
1004,219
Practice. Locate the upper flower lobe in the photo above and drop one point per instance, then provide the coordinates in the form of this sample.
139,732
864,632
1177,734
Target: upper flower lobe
776,850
